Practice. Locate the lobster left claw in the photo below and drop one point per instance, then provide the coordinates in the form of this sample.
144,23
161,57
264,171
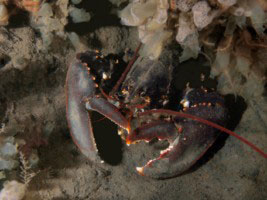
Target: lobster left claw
81,96
188,139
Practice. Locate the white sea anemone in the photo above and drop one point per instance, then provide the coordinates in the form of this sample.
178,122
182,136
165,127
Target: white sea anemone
189,21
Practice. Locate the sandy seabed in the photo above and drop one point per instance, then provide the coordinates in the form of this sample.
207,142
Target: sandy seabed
32,85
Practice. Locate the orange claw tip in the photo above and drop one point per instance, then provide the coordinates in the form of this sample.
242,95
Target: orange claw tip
140,170
128,142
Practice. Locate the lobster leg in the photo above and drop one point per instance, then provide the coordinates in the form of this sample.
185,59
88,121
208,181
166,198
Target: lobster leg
81,97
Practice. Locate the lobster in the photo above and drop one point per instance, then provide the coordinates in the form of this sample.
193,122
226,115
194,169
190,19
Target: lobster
136,97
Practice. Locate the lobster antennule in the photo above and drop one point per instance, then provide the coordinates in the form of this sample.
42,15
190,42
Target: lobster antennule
209,123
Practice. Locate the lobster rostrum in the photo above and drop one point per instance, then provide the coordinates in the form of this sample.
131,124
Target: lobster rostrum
138,100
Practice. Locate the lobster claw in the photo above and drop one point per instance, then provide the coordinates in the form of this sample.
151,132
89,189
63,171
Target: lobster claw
188,140
107,109
81,97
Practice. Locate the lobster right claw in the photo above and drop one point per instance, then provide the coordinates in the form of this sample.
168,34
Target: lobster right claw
188,139
81,97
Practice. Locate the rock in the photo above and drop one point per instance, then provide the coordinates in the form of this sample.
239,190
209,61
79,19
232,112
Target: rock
79,15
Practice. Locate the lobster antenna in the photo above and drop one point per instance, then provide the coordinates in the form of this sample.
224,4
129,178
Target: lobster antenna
209,123
129,66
